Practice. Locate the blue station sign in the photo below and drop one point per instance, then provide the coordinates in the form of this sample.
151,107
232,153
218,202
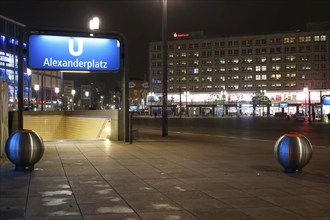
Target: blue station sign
49,52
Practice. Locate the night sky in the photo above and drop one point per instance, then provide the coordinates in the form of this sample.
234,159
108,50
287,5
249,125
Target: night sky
140,20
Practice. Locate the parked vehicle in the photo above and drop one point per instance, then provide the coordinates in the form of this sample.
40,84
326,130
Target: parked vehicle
299,116
280,114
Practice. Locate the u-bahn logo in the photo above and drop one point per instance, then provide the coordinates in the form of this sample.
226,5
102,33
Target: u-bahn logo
80,47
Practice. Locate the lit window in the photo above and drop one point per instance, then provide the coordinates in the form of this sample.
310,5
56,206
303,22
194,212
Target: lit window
323,37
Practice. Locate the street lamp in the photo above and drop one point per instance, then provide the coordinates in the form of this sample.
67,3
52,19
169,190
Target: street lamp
87,97
57,90
186,93
180,107
308,92
151,95
164,69
102,102
94,24
263,93
223,94
305,91
37,88
73,92
29,72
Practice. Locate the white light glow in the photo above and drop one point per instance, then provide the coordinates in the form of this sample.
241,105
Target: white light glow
36,87
94,23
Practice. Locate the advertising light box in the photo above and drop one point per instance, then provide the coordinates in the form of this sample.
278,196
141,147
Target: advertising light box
49,52
284,104
326,100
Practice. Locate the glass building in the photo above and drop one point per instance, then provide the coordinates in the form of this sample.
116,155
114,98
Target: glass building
41,88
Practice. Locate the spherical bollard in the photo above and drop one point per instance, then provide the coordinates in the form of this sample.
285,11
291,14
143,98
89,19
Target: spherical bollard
24,148
293,151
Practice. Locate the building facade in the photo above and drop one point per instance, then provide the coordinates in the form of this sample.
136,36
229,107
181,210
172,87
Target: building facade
291,67
41,88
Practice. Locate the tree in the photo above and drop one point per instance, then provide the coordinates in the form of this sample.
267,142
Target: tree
260,100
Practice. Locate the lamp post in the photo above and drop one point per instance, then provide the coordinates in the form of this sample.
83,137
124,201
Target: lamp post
73,92
305,91
102,102
263,93
151,95
309,106
180,112
87,97
164,70
223,99
186,93
57,90
29,72
36,88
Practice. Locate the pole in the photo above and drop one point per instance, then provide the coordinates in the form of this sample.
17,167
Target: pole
42,92
20,90
164,70
180,104
321,114
29,93
124,100
186,102
130,127
309,106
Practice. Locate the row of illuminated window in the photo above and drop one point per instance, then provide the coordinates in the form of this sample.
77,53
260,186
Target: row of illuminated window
8,75
217,53
257,77
243,60
234,87
262,68
8,44
301,39
8,60
214,43
248,86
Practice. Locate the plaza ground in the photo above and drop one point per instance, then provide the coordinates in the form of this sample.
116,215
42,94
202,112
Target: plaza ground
182,176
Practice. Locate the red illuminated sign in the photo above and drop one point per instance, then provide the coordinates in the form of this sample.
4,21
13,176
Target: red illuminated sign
176,35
